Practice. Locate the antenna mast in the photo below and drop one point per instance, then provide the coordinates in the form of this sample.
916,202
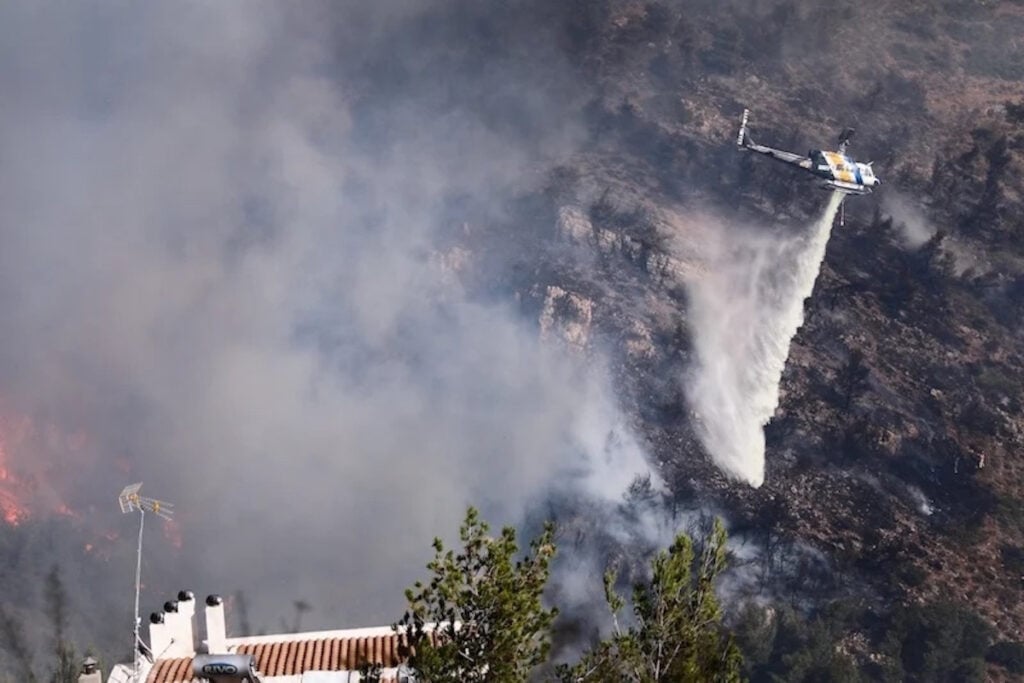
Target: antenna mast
130,501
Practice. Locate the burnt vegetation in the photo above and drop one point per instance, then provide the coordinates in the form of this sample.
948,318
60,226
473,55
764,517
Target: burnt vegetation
898,436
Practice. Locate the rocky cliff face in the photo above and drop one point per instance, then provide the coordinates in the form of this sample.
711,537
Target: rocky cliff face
896,449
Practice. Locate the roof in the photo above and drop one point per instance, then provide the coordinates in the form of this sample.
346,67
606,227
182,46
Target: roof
297,653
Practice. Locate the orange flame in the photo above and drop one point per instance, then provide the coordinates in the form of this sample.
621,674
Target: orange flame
31,486
12,509
20,494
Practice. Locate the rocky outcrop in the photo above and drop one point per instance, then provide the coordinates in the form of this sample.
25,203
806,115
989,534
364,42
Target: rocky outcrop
566,317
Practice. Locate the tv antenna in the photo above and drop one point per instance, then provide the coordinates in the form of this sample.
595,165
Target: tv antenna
130,501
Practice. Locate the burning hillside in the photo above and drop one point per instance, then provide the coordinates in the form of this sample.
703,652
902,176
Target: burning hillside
16,490
37,462
219,259
12,509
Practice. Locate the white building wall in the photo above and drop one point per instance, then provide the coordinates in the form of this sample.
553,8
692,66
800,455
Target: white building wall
122,673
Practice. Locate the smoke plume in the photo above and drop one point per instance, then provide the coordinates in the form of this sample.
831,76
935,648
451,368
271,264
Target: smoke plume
231,242
744,314
914,228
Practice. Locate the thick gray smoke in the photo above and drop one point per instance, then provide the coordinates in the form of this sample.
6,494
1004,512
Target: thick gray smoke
744,314
227,260
914,228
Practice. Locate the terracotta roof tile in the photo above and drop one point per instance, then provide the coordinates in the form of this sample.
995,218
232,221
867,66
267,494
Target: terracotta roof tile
171,671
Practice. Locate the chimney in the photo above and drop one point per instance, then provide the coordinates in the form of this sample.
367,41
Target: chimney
216,632
90,671
159,634
170,631
179,623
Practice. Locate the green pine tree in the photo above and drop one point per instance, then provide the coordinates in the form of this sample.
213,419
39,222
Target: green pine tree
491,624
65,668
676,633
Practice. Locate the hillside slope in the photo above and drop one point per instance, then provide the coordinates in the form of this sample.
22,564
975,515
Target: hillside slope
896,449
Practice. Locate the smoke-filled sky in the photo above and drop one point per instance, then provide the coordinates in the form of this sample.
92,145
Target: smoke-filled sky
222,234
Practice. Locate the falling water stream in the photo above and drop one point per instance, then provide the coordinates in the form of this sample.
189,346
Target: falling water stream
745,313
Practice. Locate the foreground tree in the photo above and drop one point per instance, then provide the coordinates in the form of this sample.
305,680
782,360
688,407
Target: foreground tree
12,642
676,633
20,667
491,624
938,642
65,663
782,643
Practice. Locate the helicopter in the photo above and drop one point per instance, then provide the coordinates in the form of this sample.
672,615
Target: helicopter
836,170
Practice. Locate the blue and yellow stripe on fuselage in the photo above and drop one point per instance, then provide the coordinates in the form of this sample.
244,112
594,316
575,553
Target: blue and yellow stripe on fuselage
843,169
